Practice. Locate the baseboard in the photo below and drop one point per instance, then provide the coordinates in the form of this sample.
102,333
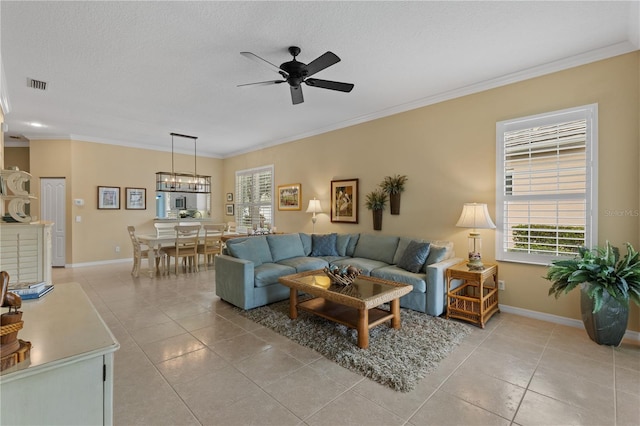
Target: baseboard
101,262
630,335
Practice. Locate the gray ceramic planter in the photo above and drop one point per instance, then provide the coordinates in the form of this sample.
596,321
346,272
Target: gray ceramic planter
608,325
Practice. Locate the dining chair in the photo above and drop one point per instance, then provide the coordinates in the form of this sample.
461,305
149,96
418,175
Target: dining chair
186,247
165,229
212,244
140,252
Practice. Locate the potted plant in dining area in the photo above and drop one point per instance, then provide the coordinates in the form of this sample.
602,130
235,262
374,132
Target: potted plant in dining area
607,283
394,186
376,201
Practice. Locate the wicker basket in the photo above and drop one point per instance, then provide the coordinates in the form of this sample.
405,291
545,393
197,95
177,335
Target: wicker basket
11,328
341,279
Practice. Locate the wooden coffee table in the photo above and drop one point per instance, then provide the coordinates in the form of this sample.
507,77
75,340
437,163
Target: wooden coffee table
356,305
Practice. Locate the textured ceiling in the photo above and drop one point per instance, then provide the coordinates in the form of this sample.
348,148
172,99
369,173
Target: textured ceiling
132,72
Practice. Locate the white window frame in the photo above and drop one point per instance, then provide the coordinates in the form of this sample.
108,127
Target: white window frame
240,204
586,112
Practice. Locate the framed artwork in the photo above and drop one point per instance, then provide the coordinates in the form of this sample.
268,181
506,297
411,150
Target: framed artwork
135,198
109,197
290,197
344,201
229,197
230,211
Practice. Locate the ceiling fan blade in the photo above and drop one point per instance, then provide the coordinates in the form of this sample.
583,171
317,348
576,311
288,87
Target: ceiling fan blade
259,60
327,84
263,83
321,62
296,95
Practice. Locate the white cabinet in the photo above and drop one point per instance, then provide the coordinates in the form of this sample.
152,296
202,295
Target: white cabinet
68,379
25,251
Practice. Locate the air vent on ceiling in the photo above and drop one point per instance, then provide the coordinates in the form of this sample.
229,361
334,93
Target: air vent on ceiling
36,84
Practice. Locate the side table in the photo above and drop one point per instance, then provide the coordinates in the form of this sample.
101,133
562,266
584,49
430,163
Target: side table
476,299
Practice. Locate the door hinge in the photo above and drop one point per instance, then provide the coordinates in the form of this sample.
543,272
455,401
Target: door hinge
104,372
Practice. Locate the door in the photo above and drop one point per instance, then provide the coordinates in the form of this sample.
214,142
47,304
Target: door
52,206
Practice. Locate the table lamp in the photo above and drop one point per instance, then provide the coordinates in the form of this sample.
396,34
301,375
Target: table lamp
476,216
314,207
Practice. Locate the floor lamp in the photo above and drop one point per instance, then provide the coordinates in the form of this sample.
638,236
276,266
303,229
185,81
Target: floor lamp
314,207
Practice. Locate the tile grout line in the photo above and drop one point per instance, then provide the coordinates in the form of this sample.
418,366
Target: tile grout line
145,354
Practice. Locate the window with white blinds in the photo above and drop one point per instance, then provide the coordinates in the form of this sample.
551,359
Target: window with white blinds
546,185
254,197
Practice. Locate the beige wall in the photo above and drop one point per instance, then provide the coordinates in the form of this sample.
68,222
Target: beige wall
448,152
17,156
88,165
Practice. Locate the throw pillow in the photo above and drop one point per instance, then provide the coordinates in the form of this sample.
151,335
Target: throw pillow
436,254
414,256
324,245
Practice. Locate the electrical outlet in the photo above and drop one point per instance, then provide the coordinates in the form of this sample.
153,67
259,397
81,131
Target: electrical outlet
117,249
500,285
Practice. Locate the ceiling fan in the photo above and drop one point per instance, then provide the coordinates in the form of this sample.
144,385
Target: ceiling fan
295,73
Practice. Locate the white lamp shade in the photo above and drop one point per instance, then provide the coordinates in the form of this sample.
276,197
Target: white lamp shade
314,206
475,215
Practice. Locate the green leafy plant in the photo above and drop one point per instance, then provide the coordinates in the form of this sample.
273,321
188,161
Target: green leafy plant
376,200
393,184
603,270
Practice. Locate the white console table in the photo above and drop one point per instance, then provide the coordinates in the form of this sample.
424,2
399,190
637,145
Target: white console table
68,379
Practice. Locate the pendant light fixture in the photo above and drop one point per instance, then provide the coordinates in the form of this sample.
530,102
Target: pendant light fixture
183,182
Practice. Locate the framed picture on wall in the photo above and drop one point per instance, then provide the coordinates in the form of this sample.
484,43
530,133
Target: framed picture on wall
135,198
290,196
344,201
229,197
109,197
230,211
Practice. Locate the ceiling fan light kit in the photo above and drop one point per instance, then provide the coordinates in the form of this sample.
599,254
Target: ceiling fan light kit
296,73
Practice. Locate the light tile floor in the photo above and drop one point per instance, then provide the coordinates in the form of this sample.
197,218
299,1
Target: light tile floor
187,358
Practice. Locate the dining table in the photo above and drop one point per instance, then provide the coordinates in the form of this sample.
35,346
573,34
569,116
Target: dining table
155,243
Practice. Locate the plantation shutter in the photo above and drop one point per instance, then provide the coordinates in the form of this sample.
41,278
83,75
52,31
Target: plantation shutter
546,186
254,195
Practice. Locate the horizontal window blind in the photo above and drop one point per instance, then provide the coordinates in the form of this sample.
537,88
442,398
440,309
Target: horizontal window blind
544,186
254,197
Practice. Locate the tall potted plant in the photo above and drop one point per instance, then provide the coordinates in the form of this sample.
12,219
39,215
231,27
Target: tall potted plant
376,201
607,282
394,186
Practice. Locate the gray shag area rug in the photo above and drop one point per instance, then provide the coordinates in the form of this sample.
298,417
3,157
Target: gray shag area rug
395,358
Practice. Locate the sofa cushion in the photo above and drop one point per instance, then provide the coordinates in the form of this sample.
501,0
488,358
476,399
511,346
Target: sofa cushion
306,243
285,246
393,273
302,264
342,241
436,254
268,273
414,256
376,247
254,249
351,247
367,265
331,259
324,245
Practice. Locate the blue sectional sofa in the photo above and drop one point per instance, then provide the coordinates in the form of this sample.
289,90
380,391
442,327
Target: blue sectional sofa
248,271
